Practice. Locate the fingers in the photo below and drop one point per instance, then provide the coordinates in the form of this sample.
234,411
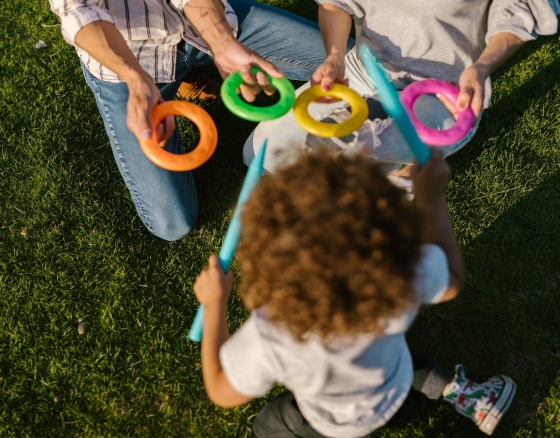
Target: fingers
165,129
435,160
466,94
471,89
254,84
477,102
436,154
143,96
138,118
329,73
213,261
449,106
264,83
215,265
437,165
316,76
414,169
328,81
267,67
250,87
228,277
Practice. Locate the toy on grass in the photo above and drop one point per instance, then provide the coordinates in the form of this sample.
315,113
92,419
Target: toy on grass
358,107
191,160
429,135
242,109
232,234
390,101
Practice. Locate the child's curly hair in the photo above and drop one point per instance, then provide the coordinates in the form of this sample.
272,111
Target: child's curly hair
330,247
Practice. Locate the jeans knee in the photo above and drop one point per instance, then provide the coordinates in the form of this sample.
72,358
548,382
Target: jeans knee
249,150
171,229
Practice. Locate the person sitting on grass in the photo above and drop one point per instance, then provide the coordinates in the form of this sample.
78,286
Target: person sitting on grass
334,270
461,41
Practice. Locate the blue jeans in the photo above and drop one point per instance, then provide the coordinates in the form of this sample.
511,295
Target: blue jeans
167,201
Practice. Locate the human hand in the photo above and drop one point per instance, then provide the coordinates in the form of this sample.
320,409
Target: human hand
233,56
212,286
143,95
430,180
471,89
330,72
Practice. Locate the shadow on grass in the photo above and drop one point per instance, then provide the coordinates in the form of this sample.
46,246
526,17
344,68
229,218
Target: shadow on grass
506,110
506,321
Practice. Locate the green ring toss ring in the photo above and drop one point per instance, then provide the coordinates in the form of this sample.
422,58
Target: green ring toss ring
240,108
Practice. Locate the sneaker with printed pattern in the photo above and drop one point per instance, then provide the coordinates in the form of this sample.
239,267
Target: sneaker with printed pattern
484,403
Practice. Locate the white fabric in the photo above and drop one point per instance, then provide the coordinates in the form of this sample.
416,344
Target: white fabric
151,28
418,39
347,388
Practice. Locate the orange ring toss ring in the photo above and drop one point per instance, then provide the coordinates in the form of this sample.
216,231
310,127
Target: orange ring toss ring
357,104
191,160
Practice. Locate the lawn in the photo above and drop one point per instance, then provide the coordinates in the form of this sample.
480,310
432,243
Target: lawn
73,254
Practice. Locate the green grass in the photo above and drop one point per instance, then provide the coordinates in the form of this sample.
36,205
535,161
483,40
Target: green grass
71,246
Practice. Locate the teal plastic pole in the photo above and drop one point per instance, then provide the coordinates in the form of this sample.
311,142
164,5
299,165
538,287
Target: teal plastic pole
233,232
392,105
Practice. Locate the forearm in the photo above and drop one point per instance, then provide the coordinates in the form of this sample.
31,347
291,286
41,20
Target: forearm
215,334
439,231
500,48
209,19
104,42
335,25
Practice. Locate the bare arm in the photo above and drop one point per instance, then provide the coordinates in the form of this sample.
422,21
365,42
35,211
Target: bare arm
208,17
500,48
335,25
106,45
212,288
429,184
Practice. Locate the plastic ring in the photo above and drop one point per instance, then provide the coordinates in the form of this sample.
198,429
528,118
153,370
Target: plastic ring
432,136
392,105
242,109
358,107
191,160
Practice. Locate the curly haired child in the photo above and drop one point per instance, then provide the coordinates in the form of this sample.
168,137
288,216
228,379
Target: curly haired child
334,270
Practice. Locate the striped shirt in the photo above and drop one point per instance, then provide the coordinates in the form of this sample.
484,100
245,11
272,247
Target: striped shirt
151,28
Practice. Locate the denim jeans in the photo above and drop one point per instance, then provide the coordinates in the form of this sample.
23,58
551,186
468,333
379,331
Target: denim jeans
166,201
382,142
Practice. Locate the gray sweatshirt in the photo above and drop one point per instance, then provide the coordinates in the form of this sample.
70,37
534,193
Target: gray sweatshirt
418,39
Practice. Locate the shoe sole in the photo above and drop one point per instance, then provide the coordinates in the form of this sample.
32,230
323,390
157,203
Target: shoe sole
488,425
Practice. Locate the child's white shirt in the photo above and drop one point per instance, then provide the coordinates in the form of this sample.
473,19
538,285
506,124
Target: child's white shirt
345,389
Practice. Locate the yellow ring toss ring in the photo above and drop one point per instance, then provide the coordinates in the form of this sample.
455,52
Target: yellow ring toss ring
357,104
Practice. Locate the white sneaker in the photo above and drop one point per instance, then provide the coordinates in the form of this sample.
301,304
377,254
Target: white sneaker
484,403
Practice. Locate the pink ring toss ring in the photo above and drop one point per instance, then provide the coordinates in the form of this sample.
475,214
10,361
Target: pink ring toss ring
432,136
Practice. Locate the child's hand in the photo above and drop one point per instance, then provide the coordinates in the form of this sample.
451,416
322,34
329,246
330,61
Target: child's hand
328,73
212,286
430,180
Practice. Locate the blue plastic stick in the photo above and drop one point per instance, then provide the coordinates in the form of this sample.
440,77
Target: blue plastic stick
391,103
234,230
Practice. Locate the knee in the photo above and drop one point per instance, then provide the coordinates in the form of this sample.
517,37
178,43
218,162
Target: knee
171,228
248,150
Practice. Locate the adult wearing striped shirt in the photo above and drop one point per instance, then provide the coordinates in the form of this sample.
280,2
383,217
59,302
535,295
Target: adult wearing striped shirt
134,54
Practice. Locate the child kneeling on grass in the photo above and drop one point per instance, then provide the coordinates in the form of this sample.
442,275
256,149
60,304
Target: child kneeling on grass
334,271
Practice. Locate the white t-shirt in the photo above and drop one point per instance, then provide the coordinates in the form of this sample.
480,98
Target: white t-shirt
347,388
